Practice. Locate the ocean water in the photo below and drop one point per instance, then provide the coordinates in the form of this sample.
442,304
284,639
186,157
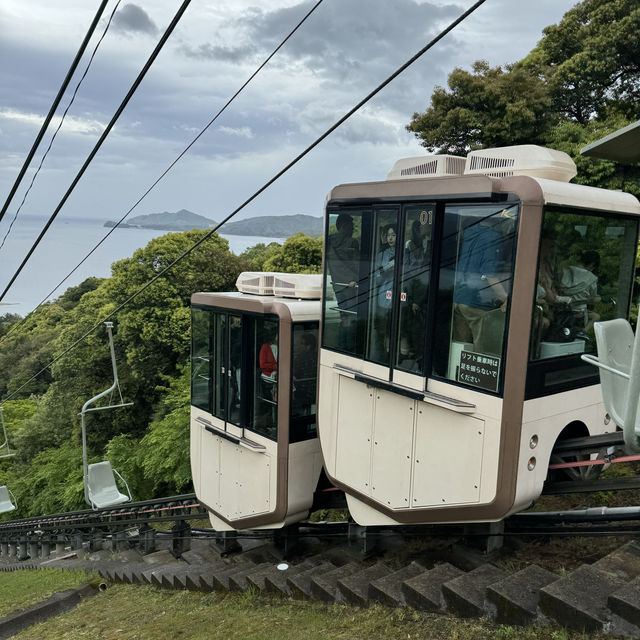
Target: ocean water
62,248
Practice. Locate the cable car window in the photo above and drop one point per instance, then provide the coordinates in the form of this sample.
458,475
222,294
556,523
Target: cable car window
304,373
476,273
585,274
234,371
414,288
200,359
343,281
265,367
219,322
383,252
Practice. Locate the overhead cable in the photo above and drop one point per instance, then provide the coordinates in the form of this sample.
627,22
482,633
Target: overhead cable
54,106
265,186
182,153
64,115
103,137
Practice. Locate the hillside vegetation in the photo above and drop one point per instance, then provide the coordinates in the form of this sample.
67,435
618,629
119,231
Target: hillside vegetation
147,443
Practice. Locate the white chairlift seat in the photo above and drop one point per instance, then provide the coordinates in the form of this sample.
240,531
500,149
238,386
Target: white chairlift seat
6,504
100,489
619,363
5,451
103,491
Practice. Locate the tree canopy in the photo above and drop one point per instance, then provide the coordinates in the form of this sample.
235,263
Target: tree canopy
149,442
580,82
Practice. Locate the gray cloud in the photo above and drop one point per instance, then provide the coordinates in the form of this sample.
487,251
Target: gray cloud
133,19
209,51
339,40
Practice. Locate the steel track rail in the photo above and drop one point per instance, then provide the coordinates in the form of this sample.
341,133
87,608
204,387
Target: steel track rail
170,509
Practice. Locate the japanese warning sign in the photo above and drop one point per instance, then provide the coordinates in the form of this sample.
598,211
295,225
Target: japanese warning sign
479,370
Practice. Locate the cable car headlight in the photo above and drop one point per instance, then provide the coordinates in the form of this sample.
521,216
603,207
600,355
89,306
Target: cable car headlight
533,442
531,465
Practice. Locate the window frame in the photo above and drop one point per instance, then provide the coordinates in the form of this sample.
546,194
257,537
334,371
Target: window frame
367,207
209,407
539,369
247,381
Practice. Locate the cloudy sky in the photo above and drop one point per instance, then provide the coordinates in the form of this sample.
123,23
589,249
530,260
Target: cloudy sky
344,50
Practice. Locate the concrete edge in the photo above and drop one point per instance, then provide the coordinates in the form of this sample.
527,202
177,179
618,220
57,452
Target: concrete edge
52,606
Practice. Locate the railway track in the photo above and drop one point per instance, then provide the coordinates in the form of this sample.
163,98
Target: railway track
344,562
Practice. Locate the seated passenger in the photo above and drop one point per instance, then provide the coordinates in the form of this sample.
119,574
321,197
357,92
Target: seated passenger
580,284
268,361
479,289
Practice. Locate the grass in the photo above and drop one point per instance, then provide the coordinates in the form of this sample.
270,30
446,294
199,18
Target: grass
135,612
21,589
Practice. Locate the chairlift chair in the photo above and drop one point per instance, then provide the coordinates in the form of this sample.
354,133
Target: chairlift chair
7,500
100,488
5,451
619,363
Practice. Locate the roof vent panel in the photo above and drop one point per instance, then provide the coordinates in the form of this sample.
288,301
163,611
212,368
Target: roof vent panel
427,167
522,160
307,286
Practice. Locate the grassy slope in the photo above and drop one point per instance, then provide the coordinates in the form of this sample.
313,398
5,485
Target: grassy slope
128,612
21,589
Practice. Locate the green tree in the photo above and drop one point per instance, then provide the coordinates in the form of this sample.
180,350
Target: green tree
590,60
299,254
257,255
165,446
489,107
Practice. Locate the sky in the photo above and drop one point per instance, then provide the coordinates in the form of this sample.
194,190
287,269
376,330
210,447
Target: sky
344,50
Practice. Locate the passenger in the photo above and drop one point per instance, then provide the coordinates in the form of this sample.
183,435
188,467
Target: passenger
343,253
268,360
383,272
416,247
580,284
415,284
479,289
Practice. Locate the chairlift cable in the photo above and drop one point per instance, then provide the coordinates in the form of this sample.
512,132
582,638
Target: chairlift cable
64,115
54,106
265,186
103,137
177,159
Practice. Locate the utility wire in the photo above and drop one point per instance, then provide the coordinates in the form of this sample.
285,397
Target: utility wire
103,137
265,186
64,115
54,106
178,158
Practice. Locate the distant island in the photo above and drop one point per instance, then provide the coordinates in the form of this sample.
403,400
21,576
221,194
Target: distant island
263,226
275,226
182,220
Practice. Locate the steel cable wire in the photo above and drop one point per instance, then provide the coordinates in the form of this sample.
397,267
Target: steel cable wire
170,167
64,115
103,137
54,106
264,187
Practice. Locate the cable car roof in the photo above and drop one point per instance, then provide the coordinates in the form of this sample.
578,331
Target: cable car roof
550,191
621,146
298,310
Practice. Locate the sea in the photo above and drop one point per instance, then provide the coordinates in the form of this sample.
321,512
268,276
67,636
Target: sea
65,244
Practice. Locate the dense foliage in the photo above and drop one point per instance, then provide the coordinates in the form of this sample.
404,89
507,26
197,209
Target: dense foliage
149,442
581,82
